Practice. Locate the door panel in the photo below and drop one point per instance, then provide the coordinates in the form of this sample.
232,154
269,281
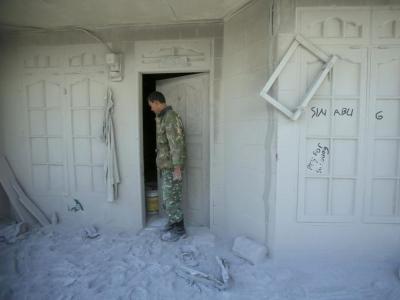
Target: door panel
188,95
331,140
64,89
44,102
383,181
386,25
85,116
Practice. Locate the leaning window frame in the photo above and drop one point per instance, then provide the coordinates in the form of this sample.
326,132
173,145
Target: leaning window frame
329,62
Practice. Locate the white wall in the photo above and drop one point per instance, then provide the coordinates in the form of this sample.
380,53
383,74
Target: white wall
127,210
248,124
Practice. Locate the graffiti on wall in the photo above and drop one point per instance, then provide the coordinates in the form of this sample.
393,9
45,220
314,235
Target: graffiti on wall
318,159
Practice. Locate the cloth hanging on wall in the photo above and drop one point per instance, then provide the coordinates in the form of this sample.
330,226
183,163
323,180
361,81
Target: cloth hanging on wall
111,170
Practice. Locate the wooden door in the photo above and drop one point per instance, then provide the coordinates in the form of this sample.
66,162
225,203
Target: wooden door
188,95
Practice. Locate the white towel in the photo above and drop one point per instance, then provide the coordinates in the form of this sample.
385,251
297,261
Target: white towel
111,171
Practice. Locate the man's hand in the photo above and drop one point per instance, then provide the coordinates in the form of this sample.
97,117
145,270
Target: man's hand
177,175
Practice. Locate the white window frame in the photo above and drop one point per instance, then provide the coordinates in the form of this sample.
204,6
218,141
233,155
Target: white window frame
329,62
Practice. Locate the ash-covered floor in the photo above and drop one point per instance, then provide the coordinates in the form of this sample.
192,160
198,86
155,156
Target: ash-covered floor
57,262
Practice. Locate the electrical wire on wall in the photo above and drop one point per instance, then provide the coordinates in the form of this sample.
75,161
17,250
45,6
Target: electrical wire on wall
62,28
113,59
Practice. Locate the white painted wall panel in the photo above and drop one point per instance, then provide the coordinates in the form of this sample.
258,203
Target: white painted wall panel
56,178
40,177
39,150
386,25
80,123
246,122
383,176
335,25
343,195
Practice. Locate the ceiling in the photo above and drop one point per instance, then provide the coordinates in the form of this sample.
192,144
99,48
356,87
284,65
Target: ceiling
99,13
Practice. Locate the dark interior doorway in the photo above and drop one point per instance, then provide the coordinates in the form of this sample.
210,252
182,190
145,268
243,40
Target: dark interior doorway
149,137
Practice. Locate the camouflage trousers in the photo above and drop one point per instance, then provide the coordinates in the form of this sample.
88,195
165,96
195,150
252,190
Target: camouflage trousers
172,196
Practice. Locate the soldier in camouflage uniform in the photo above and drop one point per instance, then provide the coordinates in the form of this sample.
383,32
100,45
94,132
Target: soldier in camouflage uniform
171,153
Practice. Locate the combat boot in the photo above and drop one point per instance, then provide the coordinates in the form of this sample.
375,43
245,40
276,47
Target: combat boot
178,231
169,226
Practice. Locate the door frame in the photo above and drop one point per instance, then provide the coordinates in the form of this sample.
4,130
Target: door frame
204,211
139,109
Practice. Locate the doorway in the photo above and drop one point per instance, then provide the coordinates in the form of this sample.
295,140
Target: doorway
188,94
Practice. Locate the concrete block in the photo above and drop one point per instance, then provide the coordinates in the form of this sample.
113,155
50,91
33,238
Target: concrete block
249,250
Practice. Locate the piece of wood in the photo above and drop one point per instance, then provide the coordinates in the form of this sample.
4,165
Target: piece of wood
25,208
312,48
207,279
279,106
30,206
280,67
303,42
12,232
21,213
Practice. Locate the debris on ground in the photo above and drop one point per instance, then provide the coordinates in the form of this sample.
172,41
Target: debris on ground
77,206
195,276
204,239
89,232
188,255
129,265
11,233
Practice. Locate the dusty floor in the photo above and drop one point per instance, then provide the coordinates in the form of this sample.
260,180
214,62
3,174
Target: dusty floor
57,263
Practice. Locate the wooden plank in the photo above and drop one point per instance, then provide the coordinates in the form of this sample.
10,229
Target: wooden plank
280,67
330,61
25,208
30,205
279,106
22,214
312,48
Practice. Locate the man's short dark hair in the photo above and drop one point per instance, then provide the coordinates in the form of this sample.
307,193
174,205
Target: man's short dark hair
156,96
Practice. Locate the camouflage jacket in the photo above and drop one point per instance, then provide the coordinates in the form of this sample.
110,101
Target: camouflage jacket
171,149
